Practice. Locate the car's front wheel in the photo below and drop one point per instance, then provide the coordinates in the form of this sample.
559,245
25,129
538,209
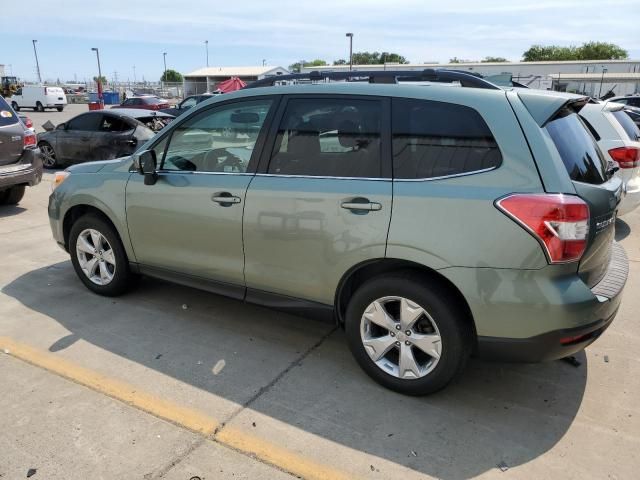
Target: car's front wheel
408,334
98,256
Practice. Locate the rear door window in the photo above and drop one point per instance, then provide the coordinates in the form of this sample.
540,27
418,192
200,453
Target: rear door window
577,148
7,115
437,139
114,124
629,127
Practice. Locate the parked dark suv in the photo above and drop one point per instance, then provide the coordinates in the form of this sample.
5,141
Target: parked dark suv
431,222
20,161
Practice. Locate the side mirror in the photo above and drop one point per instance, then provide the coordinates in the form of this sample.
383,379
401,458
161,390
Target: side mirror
146,164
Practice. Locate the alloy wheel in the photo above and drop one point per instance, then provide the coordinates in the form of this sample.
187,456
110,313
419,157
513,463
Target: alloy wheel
95,256
400,337
48,156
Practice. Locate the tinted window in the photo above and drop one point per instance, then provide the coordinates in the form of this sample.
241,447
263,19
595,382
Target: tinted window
129,101
7,115
114,124
337,137
150,101
634,102
577,148
88,122
218,139
188,102
436,139
628,125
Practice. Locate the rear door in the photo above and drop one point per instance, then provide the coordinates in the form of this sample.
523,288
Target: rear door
594,182
11,135
113,139
75,143
322,200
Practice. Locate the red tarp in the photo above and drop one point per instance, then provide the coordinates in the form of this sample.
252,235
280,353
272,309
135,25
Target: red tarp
231,85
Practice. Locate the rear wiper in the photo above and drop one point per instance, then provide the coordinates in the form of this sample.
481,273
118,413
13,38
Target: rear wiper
612,167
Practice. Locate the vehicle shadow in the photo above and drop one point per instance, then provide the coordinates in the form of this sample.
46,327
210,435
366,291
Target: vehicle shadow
10,210
496,413
622,229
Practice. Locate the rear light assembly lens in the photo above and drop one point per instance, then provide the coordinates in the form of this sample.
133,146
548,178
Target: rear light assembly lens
559,222
626,157
28,123
30,140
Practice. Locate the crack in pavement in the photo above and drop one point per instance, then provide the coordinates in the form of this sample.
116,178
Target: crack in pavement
296,362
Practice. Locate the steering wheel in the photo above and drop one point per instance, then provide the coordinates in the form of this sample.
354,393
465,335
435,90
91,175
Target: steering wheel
223,159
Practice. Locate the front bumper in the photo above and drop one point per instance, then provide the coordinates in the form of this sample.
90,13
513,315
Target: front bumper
564,342
26,171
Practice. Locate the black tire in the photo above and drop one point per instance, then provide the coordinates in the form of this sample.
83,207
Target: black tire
39,107
12,196
60,109
15,106
122,275
49,158
443,308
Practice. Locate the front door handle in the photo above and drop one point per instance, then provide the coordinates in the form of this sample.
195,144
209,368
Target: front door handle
361,205
225,199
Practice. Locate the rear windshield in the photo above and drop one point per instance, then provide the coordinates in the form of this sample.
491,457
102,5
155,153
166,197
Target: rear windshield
7,115
152,100
577,148
628,125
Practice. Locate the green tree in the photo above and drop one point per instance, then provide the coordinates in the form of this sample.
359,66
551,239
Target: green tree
296,67
373,58
494,60
171,76
587,51
103,79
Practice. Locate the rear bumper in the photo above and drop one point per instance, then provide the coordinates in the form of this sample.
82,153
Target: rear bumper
564,342
26,171
631,199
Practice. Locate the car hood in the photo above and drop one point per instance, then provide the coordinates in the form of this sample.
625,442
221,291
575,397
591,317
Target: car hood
103,165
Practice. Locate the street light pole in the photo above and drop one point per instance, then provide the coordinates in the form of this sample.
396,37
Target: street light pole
134,75
99,82
350,35
206,46
35,51
164,58
604,70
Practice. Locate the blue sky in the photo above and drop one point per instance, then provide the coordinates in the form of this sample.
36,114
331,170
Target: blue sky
132,33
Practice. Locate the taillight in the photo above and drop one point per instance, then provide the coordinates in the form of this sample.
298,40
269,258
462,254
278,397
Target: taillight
559,222
28,123
30,140
627,157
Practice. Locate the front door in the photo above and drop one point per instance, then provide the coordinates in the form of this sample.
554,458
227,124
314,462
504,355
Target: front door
190,221
74,143
323,204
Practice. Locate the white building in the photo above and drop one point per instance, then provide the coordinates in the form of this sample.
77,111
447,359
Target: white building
1,70
588,76
205,79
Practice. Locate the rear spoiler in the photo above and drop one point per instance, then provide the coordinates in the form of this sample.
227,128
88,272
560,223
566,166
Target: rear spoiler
613,106
544,105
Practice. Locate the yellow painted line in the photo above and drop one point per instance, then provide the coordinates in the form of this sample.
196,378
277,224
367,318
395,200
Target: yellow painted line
280,457
185,417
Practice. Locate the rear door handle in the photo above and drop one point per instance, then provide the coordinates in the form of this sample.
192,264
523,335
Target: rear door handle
225,199
361,204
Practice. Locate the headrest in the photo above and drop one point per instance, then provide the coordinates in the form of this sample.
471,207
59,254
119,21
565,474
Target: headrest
348,134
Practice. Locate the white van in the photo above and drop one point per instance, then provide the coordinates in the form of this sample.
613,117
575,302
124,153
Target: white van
39,98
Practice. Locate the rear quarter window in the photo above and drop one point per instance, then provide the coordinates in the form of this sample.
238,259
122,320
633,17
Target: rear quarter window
437,139
7,115
630,128
577,148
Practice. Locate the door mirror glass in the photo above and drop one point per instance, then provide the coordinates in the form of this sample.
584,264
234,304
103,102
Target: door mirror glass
146,164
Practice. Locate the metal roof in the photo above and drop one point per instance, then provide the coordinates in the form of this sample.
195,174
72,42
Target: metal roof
233,71
596,77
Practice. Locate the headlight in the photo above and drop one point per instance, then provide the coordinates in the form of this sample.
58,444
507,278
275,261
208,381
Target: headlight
58,179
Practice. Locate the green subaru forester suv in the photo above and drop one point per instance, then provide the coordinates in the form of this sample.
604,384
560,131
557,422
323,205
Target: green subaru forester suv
431,222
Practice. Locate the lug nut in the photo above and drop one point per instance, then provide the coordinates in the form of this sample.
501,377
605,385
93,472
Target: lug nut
408,332
397,344
393,334
398,327
408,343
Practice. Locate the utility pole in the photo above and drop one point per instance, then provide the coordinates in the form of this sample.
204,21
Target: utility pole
164,58
206,46
264,62
100,97
35,51
134,74
350,35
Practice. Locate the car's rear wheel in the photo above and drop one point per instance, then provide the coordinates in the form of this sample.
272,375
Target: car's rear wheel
407,334
49,159
15,106
98,256
12,196
39,107
60,109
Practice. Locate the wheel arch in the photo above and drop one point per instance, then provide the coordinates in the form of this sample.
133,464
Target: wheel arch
77,211
360,273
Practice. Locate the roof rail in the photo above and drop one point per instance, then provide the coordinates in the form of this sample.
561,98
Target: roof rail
466,79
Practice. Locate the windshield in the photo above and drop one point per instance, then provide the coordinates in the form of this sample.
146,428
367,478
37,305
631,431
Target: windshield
577,148
7,115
